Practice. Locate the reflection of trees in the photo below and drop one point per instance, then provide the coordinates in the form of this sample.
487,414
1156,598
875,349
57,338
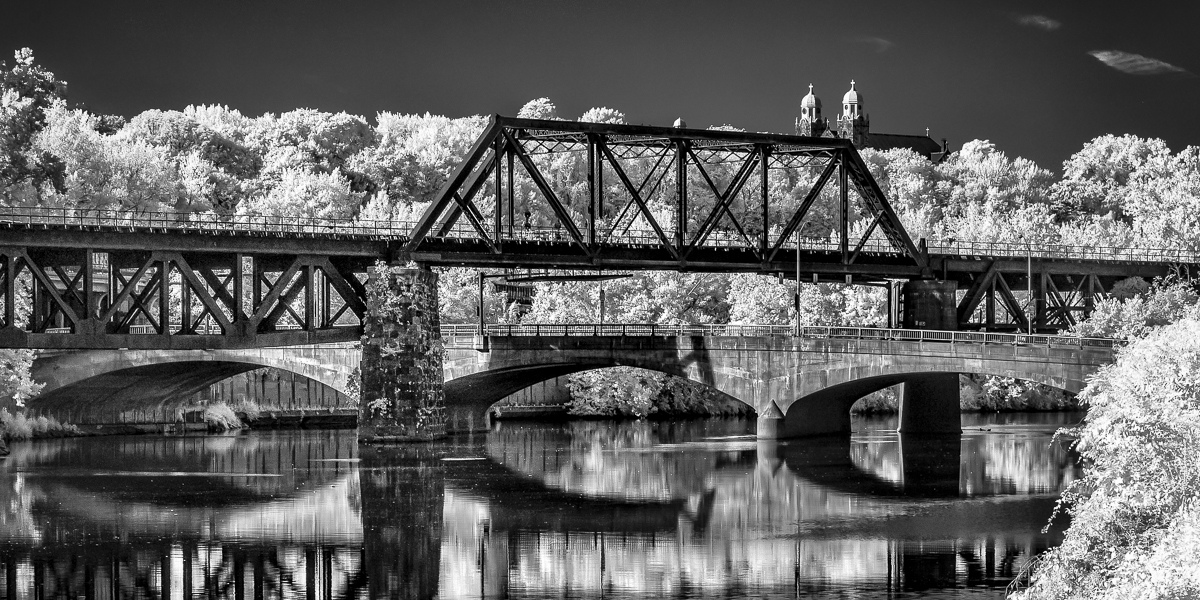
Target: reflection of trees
627,460
997,463
749,524
1016,464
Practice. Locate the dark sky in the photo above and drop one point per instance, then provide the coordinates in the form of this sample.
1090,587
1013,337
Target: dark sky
1037,78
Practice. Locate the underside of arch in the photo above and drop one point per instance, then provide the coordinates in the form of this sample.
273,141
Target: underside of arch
140,387
479,391
931,401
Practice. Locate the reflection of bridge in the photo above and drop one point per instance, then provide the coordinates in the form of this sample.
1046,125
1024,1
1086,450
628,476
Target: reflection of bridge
593,196
805,384
579,508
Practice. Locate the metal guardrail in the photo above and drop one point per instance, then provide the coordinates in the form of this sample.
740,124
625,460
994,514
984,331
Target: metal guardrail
263,225
856,333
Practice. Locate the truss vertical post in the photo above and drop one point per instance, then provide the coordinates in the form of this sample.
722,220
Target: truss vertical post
844,218
326,288
1089,301
593,193
10,290
498,216
239,315
763,157
1041,299
256,289
310,304
680,191
89,274
185,305
511,196
990,306
164,297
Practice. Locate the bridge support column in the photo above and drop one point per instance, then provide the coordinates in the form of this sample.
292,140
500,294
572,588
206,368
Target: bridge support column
804,419
402,395
929,404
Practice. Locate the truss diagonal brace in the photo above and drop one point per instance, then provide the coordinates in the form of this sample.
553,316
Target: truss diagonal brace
559,210
809,198
658,230
455,181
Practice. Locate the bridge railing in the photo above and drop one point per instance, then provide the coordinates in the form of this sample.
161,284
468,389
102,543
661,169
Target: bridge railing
856,333
268,225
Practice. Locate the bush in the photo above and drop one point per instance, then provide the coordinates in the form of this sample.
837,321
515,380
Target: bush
248,409
1135,518
638,393
19,426
221,417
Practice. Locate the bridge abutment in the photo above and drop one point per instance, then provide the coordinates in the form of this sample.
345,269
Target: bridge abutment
402,394
929,404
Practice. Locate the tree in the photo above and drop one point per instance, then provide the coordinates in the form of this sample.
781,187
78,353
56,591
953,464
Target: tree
27,91
1100,177
1139,311
302,193
539,108
1135,523
602,114
104,171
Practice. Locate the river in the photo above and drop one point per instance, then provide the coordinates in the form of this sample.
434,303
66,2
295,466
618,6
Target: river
585,509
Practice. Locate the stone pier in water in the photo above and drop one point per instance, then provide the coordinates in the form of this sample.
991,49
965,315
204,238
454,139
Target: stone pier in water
402,398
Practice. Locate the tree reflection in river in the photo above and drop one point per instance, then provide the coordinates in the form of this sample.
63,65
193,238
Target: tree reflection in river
589,509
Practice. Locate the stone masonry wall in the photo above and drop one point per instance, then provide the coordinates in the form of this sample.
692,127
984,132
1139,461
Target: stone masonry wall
402,398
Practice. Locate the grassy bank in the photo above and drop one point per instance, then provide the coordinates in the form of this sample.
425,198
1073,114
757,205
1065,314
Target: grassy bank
18,426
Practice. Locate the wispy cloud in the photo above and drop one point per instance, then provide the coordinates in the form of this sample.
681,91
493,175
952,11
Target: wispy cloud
1135,64
881,45
1038,21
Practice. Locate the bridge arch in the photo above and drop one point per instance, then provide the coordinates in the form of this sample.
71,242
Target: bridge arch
478,392
115,380
805,385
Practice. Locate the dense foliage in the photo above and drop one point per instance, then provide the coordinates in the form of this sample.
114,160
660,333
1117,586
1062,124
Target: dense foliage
1135,519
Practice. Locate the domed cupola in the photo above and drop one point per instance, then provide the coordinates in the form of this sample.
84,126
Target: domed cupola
853,124
810,105
809,122
852,103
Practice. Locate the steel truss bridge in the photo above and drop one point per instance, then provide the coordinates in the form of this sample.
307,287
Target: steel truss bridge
529,194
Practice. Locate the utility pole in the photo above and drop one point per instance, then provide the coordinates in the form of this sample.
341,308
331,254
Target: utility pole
796,302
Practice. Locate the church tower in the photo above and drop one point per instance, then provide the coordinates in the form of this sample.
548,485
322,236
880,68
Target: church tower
811,123
853,125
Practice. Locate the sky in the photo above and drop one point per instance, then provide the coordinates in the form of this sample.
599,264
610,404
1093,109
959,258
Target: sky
1038,79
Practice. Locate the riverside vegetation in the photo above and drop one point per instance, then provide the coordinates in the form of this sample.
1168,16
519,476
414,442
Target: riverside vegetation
1135,514
1135,523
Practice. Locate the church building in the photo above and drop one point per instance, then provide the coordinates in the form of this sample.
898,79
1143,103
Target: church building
854,125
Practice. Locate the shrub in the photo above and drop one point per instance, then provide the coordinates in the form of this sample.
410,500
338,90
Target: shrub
221,417
1135,518
19,426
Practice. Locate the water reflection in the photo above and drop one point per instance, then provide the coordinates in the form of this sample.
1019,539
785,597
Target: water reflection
589,509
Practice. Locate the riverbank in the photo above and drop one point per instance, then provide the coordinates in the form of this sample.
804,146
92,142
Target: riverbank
1135,521
19,427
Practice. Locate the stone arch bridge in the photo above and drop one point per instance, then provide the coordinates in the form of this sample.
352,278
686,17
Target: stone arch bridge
801,385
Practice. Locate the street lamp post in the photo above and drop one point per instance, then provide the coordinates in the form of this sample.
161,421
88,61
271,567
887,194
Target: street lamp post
797,295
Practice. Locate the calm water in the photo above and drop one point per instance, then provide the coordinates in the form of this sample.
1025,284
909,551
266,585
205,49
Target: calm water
579,510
